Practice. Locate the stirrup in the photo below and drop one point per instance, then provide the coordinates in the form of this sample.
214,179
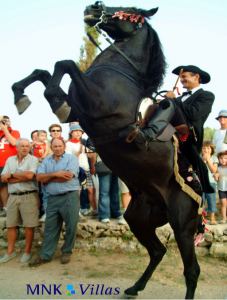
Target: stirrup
130,138
134,133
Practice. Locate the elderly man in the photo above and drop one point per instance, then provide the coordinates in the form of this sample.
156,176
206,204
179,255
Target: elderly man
59,173
220,136
8,138
19,173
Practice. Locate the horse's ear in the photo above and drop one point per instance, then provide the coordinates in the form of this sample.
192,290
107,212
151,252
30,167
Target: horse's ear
149,13
152,11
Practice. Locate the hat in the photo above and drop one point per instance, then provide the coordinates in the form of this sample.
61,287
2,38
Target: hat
222,152
203,75
222,113
75,127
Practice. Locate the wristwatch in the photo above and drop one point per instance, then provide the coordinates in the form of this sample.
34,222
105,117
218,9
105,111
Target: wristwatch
12,175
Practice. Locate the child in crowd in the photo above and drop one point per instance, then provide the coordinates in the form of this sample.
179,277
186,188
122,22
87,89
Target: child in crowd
221,178
40,147
212,166
75,147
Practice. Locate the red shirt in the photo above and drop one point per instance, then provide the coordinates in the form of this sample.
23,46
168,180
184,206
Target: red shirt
6,149
39,150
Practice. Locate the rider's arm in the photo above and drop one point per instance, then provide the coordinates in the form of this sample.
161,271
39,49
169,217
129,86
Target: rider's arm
200,107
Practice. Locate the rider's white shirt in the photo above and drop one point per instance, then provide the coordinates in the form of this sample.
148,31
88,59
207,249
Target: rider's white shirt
193,91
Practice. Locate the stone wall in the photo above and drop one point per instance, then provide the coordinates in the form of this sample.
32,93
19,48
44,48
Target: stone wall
94,235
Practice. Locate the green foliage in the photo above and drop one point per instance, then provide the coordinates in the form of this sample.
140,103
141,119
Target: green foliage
209,134
88,51
127,237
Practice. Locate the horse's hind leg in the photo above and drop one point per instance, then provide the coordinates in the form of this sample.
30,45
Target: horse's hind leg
143,223
186,246
20,100
184,225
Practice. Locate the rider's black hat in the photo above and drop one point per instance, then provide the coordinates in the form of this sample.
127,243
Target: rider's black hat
203,75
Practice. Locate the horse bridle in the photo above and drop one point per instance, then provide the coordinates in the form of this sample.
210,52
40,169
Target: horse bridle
103,19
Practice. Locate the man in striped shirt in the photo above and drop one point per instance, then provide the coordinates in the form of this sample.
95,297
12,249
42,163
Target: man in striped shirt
59,173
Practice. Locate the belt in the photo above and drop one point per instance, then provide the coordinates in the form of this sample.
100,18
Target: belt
24,193
65,193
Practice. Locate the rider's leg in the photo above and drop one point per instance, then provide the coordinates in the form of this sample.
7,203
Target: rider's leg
157,123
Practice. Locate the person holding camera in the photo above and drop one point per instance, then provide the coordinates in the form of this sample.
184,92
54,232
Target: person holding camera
8,139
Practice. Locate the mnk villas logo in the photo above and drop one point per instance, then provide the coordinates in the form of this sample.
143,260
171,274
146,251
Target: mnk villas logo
84,289
70,291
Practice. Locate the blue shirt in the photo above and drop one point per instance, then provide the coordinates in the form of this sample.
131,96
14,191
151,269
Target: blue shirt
67,162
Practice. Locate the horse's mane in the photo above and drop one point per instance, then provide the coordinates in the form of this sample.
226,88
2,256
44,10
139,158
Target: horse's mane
157,64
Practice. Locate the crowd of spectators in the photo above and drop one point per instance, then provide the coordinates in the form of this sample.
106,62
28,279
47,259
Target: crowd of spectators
217,167
41,182
43,179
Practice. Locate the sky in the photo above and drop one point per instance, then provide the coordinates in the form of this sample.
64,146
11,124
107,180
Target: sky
36,34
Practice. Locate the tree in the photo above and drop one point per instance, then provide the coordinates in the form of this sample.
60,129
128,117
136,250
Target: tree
88,51
209,134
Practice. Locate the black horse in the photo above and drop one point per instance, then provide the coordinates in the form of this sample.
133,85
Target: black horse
104,100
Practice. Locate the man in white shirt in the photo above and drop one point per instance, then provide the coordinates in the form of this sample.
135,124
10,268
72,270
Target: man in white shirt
220,137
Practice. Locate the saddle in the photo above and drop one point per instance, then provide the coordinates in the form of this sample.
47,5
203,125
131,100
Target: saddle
145,110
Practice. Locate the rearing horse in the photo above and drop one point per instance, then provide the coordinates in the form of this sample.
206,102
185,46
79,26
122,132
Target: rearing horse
104,99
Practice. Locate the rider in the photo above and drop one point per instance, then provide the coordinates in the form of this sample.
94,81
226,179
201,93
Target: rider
192,109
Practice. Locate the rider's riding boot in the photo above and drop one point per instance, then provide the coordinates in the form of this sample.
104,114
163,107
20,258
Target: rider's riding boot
156,125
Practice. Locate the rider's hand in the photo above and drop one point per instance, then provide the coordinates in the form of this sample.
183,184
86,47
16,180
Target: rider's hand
170,94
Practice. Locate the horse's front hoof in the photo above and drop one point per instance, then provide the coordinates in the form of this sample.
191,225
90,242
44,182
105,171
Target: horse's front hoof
22,104
130,293
125,296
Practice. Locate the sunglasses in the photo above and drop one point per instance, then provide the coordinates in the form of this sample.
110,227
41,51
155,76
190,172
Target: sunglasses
52,130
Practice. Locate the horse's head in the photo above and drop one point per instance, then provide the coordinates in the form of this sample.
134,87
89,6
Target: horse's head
118,22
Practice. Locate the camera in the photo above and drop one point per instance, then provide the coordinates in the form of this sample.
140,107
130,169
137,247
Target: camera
4,121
